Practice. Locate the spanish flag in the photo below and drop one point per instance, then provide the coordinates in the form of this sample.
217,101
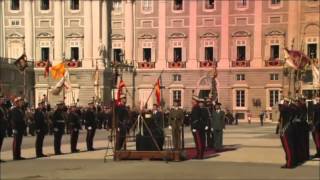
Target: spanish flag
121,85
158,91
58,71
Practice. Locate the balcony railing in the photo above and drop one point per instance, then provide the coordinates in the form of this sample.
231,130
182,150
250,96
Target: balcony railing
273,62
176,64
146,65
207,64
67,63
245,63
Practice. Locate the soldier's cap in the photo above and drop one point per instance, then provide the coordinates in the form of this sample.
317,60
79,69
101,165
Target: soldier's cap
17,99
147,115
123,96
60,103
196,98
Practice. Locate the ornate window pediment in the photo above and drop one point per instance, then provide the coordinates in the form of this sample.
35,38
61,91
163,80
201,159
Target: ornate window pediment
74,35
44,35
117,37
209,35
275,33
177,35
241,34
147,36
15,35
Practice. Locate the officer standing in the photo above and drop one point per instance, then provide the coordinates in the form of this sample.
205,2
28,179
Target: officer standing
316,126
18,127
58,123
3,121
122,117
176,119
75,126
198,127
91,125
157,117
218,124
41,128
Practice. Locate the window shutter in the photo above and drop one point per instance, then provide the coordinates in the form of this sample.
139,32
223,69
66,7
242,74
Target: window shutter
170,54
215,53
267,53
140,54
248,52
202,53
184,54
153,54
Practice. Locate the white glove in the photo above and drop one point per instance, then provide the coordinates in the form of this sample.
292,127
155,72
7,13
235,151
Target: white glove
75,130
194,130
55,129
170,127
118,129
89,128
38,131
14,131
206,128
211,129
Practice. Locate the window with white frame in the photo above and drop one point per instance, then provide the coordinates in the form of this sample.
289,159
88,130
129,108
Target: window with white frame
240,98
147,5
45,53
274,52
44,5
242,4
241,53
15,22
147,54
15,5
74,4
240,77
117,6
209,4
177,5
177,96
274,76
275,2
74,50
117,55
312,50
176,77
208,53
274,97
177,54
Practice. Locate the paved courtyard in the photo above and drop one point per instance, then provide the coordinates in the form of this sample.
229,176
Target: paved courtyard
258,155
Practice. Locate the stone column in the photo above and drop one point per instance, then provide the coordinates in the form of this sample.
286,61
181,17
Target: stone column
88,53
293,24
224,39
128,31
104,23
96,35
162,48
2,41
28,27
192,49
58,31
257,60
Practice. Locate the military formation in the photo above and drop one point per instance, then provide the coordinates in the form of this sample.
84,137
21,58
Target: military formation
297,118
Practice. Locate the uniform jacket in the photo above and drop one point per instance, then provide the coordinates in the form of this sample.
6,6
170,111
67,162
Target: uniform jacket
218,120
176,117
198,119
90,117
40,120
158,119
58,120
18,119
3,120
74,120
122,116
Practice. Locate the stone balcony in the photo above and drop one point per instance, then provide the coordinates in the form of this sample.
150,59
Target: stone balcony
67,63
242,63
207,64
177,64
273,62
146,65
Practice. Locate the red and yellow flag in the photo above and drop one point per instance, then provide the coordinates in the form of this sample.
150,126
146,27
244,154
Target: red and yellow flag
158,92
121,85
58,71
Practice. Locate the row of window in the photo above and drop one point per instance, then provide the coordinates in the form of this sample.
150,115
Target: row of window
44,5
242,77
45,53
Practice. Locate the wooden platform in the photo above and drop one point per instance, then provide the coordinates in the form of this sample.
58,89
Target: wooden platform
148,155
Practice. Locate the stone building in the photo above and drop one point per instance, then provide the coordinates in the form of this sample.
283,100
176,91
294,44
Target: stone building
180,38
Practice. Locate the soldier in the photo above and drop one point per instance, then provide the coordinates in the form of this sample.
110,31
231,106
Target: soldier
218,124
209,133
316,126
41,128
75,126
198,123
3,121
176,119
91,125
58,123
18,127
122,117
157,117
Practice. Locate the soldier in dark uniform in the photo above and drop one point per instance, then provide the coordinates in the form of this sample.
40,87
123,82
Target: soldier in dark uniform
287,133
18,127
209,132
75,126
41,128
122,118
158,132
302,132
91,125
198,123
3,121
58,123
316,126
176,119
218,124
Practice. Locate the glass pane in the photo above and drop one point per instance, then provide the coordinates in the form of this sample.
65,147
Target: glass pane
177,54
147,54
241,53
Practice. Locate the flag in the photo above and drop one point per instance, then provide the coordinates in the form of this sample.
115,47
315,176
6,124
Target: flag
296,59
58,71
63,83
158,92
47,69
121,85
21,62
